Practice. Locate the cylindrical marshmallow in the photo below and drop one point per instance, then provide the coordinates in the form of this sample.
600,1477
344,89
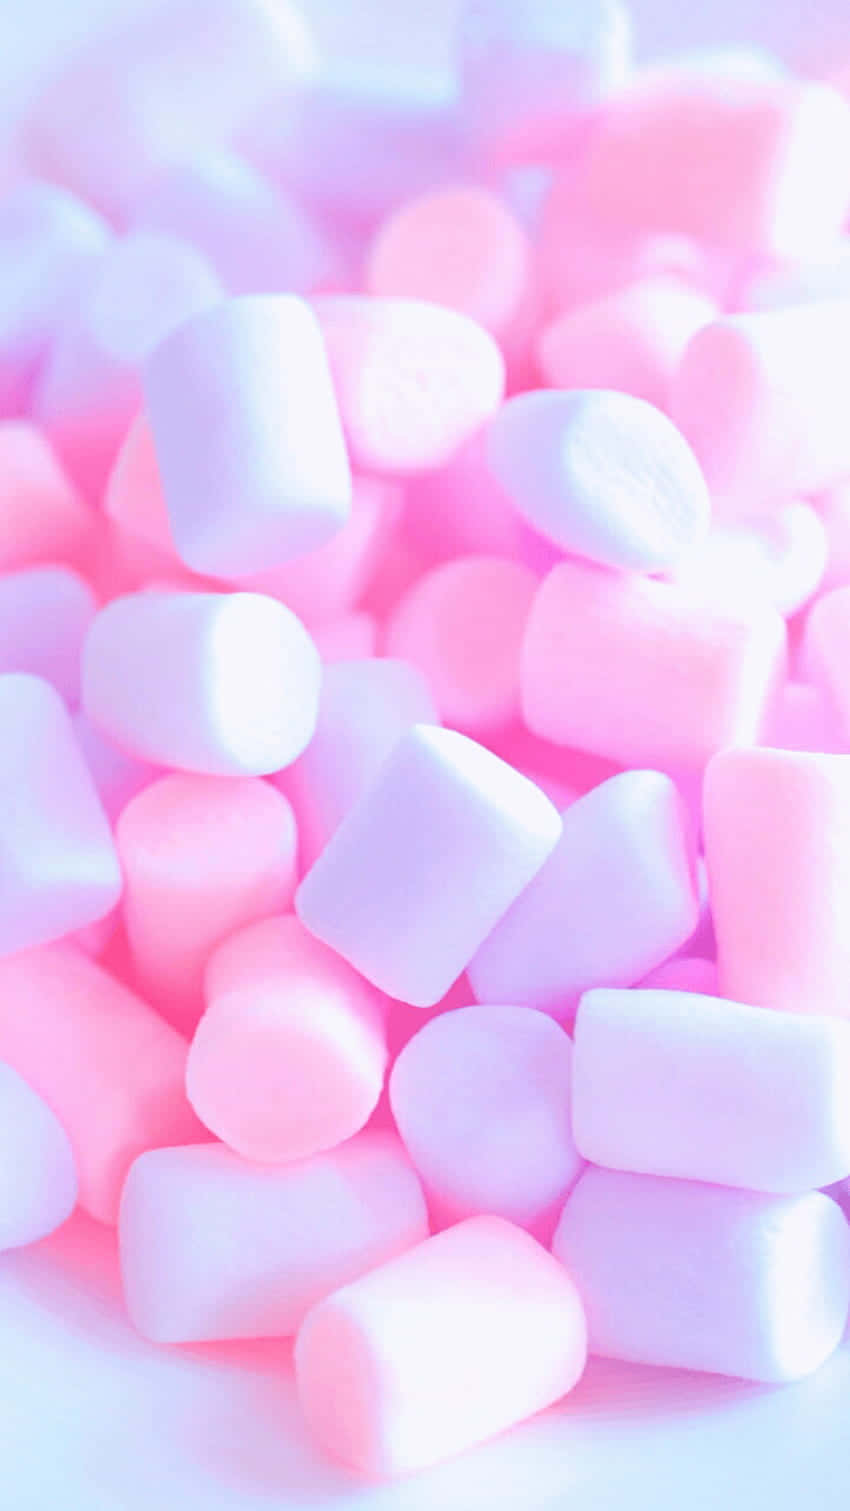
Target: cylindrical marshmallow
693,1276
602,475
639,671
289,1057
58,866
50,245
461,247
736,162
202,856
777,844
760,398
213,1247
413,380
109,1067
462,624
90,388
616,897
426,862
225,684
364,709
317,586
247,435
672,1083
481,1098
631,340
38,1177
460,1338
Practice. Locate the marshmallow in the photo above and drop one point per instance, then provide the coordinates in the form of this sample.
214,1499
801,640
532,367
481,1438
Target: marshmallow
439,1349
213,1247
701,1277
424,865
777,844
289,1057
671,1083
247,436
616,897
481,1098
220,683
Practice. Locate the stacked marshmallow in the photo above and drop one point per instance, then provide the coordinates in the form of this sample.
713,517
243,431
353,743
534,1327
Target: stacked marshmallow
424,631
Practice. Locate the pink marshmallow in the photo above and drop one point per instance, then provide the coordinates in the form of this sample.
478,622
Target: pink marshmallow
640,672
413,380
38,1177
439,1349
289,1057
90,388
202,856
42,517
50,247
581,257
616,897
601,475
760,398
258,239
44,615
426,862
462,624
247,435
213,1247
364,709
58,866
670,1083
461,247
805,720
631,340
225,684
692,1276
777,844
737,162
111,1070
481,1098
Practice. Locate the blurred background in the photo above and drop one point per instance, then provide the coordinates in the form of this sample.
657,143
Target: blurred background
34,34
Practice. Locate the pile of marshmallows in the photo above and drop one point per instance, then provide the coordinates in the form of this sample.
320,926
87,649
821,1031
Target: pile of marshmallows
426,811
